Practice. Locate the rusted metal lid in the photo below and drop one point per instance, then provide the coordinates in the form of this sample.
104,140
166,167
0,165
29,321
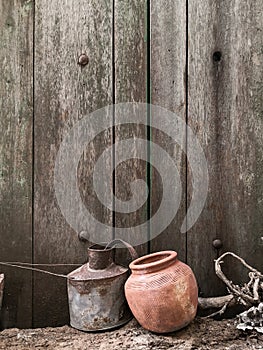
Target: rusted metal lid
85,273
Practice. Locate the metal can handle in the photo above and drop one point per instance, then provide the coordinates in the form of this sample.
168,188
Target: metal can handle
130,248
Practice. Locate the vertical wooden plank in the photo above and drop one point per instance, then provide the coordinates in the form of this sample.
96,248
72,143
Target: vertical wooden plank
130,86
16,86
168,61
64,93
225,93
202,117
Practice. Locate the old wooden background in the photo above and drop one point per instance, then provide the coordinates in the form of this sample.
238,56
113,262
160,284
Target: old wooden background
200,59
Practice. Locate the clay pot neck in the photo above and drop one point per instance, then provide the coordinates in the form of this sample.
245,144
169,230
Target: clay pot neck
153,262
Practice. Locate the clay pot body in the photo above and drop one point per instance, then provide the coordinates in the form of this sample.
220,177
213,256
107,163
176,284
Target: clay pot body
162,292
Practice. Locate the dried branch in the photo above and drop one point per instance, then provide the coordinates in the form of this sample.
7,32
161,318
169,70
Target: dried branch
242,261
249,294
255,289
216,302
220,312
242,294
1,288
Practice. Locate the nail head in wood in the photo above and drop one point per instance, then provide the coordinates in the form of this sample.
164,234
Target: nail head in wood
83,60
217,243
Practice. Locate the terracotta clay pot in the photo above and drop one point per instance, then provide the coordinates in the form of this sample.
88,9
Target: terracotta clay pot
162,292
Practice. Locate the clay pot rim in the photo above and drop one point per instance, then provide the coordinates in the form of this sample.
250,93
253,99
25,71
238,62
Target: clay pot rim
137,266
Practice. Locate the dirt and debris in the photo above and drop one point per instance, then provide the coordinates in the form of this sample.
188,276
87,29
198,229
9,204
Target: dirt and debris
205,334
251,319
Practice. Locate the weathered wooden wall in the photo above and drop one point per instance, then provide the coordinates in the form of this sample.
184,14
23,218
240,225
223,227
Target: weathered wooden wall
64,92
130,84
168,90
225,112
201,60
16,116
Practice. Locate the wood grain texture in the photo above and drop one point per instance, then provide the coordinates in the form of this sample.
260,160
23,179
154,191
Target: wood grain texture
130,86
223,106
225,112
168,61
64,93
16,115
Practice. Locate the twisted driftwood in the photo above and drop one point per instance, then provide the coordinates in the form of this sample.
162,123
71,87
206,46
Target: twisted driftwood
250,294
1,288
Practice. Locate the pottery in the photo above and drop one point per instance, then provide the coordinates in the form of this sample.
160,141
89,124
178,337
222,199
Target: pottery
162,292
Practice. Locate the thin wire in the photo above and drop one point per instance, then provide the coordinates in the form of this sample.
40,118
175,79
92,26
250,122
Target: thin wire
29,264
14,264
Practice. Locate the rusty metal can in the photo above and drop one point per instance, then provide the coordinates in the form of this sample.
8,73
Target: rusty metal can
96,292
